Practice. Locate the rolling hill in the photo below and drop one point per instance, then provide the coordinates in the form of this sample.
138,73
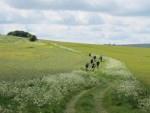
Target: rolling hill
43,76
22,58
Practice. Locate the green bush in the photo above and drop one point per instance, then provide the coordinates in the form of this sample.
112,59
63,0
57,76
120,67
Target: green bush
33,38
23,34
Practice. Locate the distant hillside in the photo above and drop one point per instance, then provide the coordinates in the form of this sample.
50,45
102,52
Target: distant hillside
139,45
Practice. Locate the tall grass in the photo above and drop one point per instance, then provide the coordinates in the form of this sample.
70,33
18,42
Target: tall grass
144,104
127,89
42,95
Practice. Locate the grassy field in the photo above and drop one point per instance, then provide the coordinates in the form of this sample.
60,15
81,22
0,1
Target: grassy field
42,76
22,58
136,59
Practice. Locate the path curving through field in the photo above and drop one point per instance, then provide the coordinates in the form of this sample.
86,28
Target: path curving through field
95,95
71,105
98,94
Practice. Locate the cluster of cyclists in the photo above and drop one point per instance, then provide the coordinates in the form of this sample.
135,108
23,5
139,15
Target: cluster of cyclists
94,62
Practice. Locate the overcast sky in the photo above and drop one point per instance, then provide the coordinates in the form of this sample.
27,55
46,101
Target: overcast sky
86,21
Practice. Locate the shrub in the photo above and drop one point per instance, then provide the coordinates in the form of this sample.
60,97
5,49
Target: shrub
33,38
20,34
23,34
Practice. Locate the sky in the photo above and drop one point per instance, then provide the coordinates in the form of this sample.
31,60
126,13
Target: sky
85,21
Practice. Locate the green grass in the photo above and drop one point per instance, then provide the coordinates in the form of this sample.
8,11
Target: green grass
136,59
91,101
86,105
113,108
21,58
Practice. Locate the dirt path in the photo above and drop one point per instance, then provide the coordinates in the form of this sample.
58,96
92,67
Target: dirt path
70,108
111,67
98,94
98,97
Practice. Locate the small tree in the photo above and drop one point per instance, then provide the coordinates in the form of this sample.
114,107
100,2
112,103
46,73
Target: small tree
33,38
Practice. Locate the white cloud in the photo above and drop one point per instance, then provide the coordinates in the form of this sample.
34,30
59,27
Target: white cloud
114,7
91,21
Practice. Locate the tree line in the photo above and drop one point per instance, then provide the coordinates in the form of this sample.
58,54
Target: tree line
23,34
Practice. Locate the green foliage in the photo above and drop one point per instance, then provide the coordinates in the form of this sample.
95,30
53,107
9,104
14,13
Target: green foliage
45,94
20,34
21,59
144,104
23,34
33,38
119,108
127,92
86,104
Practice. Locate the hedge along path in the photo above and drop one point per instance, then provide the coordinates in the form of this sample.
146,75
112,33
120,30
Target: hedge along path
111,67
